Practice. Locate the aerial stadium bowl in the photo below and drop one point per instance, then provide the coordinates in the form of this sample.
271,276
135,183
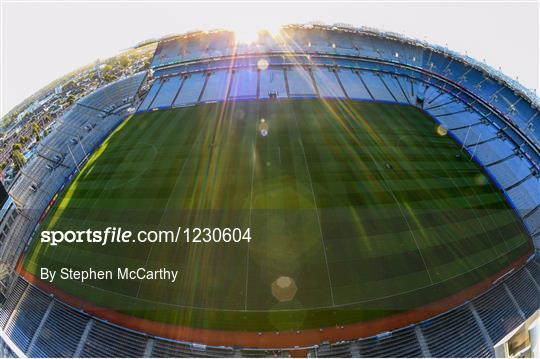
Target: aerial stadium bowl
378,181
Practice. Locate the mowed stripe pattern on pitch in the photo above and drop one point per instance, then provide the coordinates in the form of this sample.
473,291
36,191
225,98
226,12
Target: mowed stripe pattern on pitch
363,205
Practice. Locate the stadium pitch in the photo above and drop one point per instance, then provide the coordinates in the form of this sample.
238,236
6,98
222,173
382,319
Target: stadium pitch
357,211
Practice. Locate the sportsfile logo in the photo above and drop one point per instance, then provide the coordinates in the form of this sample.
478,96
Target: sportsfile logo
120,235
109,235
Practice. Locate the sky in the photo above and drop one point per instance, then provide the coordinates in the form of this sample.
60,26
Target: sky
43,40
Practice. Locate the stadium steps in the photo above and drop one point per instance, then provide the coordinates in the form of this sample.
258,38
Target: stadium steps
52,161
115,94
534,269
376,87
252,353
491,151
455,334
402,83
452,334
58,143
500,160
514,185
401,343
11,303
27,318
510,171
109,341
393,90
339,350
498,313
439,100
525,292
92,108
60,334
524,197
165,349
532,211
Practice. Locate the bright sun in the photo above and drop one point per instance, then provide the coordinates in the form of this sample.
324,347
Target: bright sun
245,34
248,34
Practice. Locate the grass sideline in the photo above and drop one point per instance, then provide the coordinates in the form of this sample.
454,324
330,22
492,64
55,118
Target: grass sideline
320,191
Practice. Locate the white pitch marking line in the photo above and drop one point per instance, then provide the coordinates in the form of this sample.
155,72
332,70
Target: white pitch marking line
317,212
249,223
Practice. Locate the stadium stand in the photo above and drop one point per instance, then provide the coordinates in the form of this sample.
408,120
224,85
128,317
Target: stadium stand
59,336
528,300
511,171
399,343
491,116
272,84
11,303
43,326
455,334
480,129
244,84
167,92
166,349
354,89
26,319
191,90
73,138
216,87
498,312
145,105
375,86
300,82
75,135
329,84
115,94
126,344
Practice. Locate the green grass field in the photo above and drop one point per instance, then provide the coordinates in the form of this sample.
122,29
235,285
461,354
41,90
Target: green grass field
363,205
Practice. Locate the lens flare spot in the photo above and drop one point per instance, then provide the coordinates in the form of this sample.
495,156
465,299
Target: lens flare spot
263,128
481,180
284,289
262,64
441,130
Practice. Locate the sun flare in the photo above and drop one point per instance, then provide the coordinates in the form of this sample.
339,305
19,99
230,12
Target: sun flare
247,34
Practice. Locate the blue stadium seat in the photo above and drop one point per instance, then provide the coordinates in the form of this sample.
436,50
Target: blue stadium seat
272,84
217,86
300,82
191,90
327,83
244,84
167,92
353,86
